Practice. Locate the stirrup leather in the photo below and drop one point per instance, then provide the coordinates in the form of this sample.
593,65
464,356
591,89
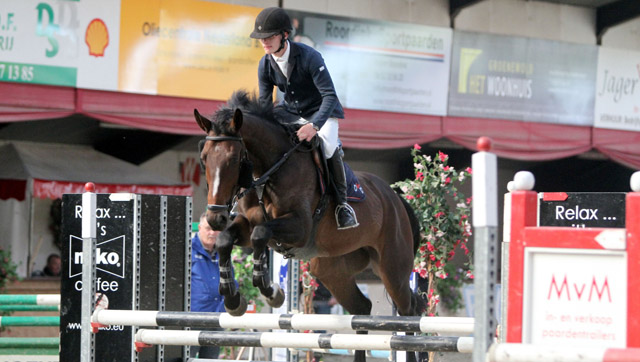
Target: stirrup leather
350,211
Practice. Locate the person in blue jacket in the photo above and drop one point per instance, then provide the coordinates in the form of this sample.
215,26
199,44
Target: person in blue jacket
310,99
205,279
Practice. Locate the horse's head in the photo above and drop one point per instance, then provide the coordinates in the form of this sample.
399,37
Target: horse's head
227,168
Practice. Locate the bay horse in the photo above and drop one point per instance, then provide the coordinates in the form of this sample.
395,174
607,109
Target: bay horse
247,153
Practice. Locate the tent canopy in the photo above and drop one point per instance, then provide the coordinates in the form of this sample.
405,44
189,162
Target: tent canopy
58,169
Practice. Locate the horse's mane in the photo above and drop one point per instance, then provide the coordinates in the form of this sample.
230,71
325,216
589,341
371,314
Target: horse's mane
247,103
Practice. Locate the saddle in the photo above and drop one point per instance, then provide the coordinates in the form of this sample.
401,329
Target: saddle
355,193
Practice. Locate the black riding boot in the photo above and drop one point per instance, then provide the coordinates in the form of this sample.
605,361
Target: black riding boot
345,215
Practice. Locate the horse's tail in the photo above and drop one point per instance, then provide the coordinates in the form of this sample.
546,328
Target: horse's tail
415,224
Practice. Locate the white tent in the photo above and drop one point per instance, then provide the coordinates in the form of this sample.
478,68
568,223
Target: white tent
34,174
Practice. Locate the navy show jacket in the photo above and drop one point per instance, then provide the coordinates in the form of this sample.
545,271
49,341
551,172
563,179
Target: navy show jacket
309,91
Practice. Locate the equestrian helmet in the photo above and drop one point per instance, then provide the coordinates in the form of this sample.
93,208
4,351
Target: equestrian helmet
271,21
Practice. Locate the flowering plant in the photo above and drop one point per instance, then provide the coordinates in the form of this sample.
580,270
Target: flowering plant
243,270
443,213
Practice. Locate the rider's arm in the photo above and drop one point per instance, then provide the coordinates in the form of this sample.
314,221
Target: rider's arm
324,84
265,85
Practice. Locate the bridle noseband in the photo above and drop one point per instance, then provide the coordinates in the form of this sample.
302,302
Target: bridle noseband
215,207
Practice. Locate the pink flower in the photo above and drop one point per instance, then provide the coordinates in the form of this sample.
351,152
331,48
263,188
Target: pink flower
423,273
439,214
468,200
438,264
409,197
430,247
447,180
446,168
468,169
417,147
442,156
432,257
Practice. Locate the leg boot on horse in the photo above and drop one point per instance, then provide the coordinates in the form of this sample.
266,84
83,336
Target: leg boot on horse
345,215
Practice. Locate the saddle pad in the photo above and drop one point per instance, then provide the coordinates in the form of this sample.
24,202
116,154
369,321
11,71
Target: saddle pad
355,193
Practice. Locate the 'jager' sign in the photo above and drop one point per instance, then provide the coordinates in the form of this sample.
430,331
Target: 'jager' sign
582,209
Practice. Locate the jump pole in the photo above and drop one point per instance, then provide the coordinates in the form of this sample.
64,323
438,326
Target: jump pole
30,299
148,337
485,227
30,321
455,325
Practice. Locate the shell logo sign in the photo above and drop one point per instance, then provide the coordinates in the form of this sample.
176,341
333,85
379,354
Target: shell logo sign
97,37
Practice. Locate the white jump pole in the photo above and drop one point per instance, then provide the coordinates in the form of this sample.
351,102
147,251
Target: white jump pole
449,325
148,337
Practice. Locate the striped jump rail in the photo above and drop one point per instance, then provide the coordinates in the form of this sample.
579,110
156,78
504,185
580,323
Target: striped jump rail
149,337
29,308
283,321
30,321
30,299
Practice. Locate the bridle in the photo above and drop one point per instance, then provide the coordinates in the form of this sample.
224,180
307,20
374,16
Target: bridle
215,207
257,184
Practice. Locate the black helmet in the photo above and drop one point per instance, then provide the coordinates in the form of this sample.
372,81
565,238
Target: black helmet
271,21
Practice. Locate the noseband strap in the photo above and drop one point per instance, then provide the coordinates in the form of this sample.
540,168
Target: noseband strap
215,207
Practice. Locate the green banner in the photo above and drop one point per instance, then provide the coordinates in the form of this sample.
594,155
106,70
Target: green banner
38,74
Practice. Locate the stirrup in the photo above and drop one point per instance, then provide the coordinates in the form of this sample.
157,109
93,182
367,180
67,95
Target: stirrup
350,211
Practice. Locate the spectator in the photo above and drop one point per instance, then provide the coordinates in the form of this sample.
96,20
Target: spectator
52,269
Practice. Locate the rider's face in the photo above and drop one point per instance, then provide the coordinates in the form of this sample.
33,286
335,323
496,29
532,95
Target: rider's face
271,44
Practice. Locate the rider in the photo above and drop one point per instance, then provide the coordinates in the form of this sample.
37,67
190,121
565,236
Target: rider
309,96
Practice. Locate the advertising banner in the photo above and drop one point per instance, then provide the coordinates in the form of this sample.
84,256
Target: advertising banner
524,79
56,42
569,302
187,48
618,90
379,65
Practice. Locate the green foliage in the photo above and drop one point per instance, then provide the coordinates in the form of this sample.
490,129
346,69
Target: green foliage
444,228
7,269
243,269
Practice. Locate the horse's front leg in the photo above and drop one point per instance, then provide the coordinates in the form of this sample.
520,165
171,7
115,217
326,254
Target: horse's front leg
234,303
286,230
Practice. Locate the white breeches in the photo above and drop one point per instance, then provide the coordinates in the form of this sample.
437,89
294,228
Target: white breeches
329,136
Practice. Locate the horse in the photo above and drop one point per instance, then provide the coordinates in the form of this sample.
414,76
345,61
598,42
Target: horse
252,160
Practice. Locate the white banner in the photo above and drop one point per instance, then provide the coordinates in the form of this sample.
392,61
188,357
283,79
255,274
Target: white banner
618,89
380,65
575,297
56,42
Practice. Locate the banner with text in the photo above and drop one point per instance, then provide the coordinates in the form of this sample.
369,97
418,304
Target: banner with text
618,89
515,78
380,65
187,48
56,42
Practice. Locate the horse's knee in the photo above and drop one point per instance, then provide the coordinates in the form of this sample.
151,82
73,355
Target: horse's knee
260,236
224,243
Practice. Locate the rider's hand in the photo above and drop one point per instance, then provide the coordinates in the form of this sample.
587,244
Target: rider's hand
306,132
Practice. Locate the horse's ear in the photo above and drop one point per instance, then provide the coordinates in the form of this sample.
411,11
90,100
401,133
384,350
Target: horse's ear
202,121
236,123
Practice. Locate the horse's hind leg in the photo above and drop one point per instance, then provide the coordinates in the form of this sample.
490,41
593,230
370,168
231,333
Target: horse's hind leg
338,275
272,292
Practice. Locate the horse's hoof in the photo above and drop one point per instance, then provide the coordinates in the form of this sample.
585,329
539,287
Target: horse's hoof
239,310
277,298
